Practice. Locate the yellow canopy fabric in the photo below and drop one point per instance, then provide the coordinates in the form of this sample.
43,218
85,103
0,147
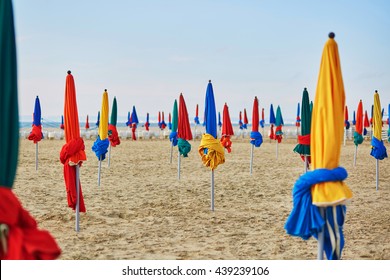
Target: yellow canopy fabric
215,153
103,127
377,121
327,127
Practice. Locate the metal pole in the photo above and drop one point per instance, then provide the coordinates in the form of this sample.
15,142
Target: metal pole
354,158
36,156
345,135
77,226
377,174
109,154
251,164
100,167
212,190
320,253
178,165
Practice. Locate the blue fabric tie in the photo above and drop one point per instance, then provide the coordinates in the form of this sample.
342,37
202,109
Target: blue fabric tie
173,138
100,147
305,219
378,149
256,138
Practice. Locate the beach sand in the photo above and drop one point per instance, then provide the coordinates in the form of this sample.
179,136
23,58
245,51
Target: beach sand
142,211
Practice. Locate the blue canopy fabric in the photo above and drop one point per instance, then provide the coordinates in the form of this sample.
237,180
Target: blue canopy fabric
98,119
134,117
37,112
210,113
219,120
272,119
305,219
354,118
128,123
100,147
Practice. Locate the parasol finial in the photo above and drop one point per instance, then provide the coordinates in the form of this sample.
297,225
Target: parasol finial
376,91
332,35
69,72
305,89
209,81
105,89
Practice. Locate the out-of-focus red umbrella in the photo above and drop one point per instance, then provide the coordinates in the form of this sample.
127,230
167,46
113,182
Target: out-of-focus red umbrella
366,123
163,124
36,132
73,152
62,122
357,136
256,137
184,133
245,119
227,129
87,124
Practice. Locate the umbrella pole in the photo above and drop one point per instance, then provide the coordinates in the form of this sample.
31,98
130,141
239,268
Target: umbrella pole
36,156
109,155
170,161
345,135
77,226
100,167
377,174
178,165
320,253
354,158
212,190
251,164
297,135
194,133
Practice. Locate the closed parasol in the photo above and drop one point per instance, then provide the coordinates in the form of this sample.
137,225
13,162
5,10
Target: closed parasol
256,137
227,129
184,133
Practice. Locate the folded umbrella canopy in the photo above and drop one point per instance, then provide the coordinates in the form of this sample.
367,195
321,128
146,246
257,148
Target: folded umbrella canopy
62,122
36,132
184,133
87,124
163,124
319,195
227,129
256,137
169,121
210,149
128,122
98,119
219,120
113,136
147,123
20,237
159,119
73,152
262,121
240,123
378,149
112,131
366,123
245,125
196,119
298,119
357,135
173,134
271,122
303,147
100,146
354,118
134,122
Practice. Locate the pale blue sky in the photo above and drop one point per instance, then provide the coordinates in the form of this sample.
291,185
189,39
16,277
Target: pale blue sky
147,52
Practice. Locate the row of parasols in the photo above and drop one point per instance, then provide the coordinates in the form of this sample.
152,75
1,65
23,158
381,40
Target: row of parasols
319,196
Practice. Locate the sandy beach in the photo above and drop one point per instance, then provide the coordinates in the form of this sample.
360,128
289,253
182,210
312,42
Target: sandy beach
142,211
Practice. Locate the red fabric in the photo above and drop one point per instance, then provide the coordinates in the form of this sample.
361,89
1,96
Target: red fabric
71,148
255,115
87,124
245,117
183,123
272,134
36,133
113,136
276,136
147,126
163,125
345,115
298,122
197,110
133,128
62,126
359,118
25,240
227,128
308,159
366,122
304,139
226,143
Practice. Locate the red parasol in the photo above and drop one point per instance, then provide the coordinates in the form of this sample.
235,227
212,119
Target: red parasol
183,125
245,119
87,123
72,153
227,129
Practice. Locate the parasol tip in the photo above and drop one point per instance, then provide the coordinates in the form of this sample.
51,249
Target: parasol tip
376,91
105,89
305,89
209,81
69,72
332,35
